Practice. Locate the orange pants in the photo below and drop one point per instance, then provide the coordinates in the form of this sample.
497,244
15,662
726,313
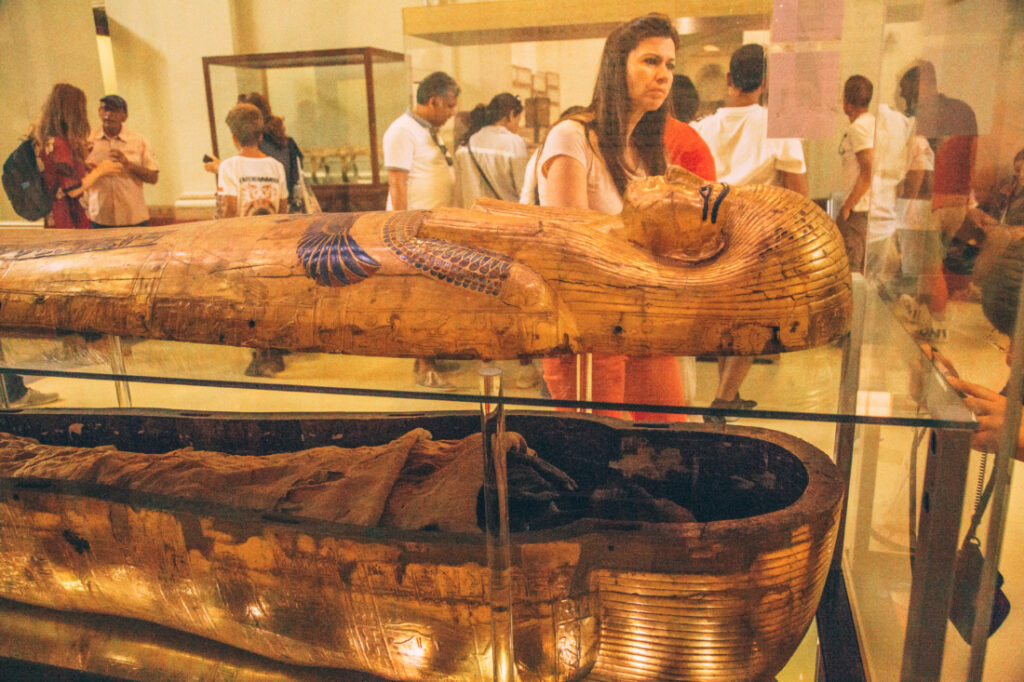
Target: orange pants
621,379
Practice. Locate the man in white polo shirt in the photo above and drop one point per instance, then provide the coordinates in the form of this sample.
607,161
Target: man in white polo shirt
420,172
418,163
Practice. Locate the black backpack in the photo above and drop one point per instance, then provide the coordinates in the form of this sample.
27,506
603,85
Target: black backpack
24,183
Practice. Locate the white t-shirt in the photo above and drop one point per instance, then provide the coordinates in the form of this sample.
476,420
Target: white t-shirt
744,155
409,147
528,195
259,184
897,150
568,139
858,137
502,157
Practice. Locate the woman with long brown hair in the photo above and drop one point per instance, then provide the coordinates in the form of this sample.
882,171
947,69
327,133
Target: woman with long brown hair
60,138
587,161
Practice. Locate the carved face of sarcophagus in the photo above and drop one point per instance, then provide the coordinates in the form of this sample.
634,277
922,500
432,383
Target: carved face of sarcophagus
726,595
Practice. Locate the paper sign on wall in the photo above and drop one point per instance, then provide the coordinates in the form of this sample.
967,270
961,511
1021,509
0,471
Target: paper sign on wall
803,94
795,20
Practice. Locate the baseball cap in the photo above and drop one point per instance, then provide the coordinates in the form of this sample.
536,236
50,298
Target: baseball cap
115,102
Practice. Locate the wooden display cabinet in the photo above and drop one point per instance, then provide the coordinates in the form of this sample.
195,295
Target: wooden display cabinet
336,104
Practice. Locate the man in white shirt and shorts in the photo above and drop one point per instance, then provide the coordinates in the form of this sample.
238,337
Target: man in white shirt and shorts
737,135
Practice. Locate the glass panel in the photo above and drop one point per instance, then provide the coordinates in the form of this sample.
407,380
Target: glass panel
897,383
324,99
942,211
916,298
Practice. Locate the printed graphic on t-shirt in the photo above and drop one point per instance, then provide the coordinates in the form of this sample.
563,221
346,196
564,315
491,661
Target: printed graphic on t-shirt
258,195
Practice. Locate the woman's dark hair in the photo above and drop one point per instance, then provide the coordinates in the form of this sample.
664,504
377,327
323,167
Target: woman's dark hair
500,106
610,104
273,126
685,99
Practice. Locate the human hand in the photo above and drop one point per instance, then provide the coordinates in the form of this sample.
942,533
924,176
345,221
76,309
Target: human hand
108,167
118,155
212,166
990,409
845,212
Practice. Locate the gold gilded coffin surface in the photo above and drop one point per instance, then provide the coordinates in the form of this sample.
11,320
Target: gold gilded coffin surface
688,268
727,597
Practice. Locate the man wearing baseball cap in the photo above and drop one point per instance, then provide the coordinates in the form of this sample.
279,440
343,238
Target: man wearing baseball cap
117,200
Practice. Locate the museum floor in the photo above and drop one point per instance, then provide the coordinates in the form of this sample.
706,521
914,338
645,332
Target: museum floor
806,381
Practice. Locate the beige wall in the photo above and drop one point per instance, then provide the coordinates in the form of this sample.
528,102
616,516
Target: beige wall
33,61
158,50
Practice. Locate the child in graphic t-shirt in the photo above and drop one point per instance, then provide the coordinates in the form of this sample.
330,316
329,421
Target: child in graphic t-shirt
250,183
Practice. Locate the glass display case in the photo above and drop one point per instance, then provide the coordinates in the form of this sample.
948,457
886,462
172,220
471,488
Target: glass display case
336,104
824,396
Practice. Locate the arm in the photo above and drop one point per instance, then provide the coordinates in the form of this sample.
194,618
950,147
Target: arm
912,184
990,408
566,183
796,182
790,166
227,207
139,172
398,186
865,158
105,167
227,192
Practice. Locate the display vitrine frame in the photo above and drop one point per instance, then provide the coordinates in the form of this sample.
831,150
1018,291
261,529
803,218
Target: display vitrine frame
333,197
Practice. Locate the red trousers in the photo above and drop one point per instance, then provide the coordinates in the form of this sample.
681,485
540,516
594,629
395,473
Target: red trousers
621,379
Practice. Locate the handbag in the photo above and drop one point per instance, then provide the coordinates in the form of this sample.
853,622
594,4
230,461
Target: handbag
967,573
969,559
309,200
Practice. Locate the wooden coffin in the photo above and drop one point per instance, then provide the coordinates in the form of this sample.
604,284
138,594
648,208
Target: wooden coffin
688,268
727,597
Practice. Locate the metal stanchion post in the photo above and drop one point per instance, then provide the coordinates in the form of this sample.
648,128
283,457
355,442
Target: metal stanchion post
496,514
124,396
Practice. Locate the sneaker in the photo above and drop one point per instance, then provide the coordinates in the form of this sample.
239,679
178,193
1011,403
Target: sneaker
742,404
34,398
720,403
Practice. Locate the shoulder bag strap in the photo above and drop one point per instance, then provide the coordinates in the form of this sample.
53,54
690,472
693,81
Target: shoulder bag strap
481,171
